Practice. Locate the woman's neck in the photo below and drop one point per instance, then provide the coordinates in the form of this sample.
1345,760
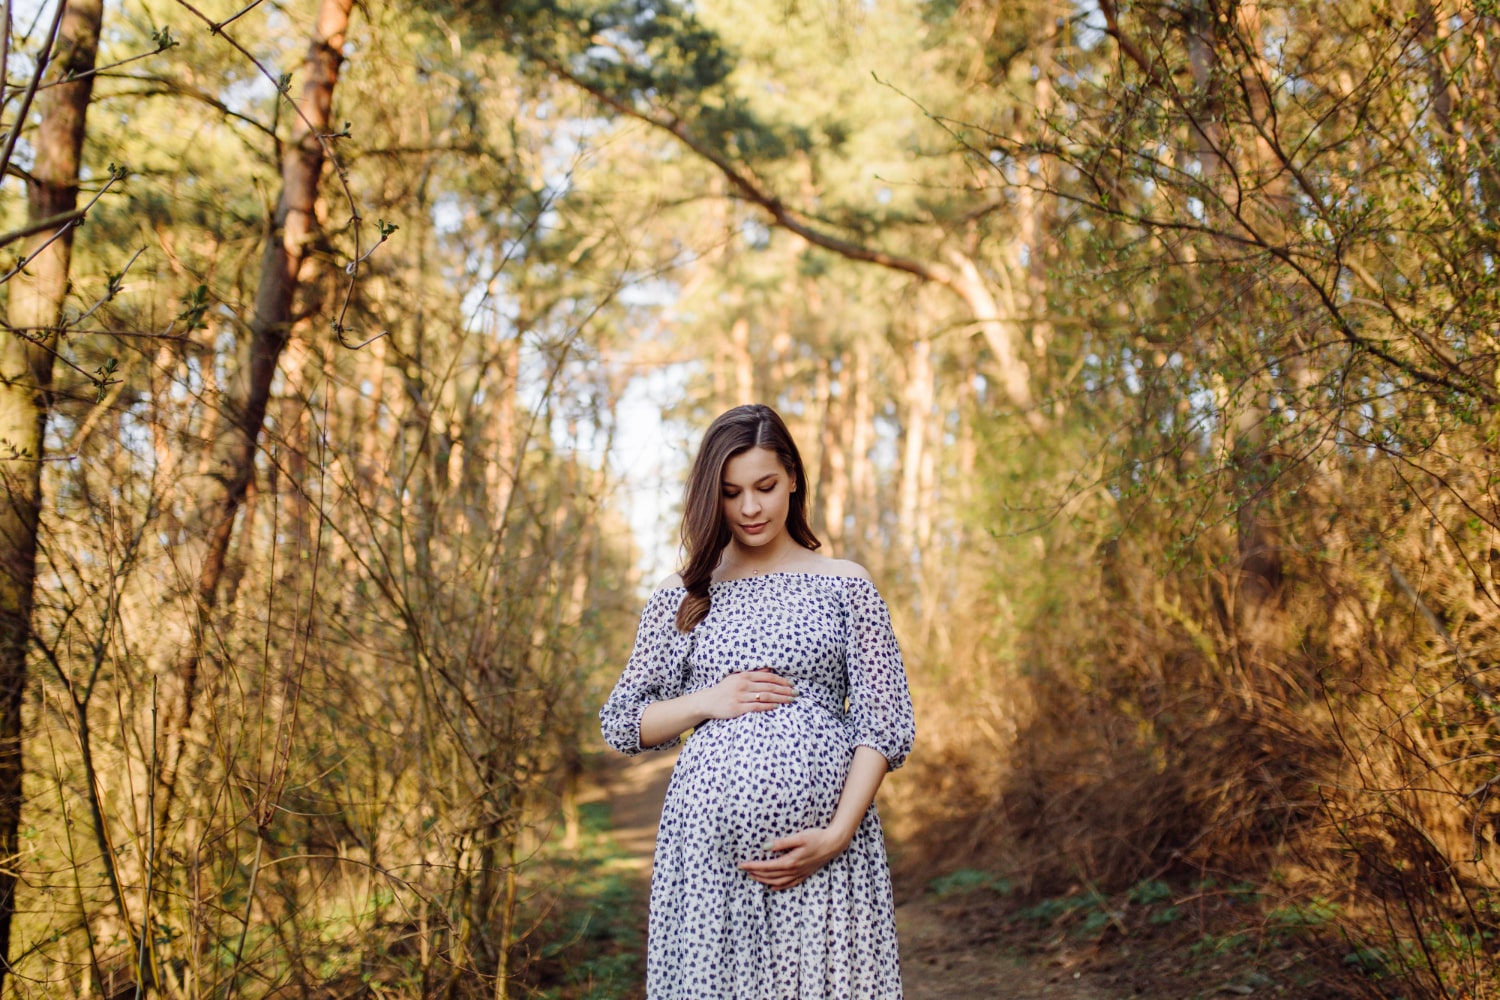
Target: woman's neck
742,560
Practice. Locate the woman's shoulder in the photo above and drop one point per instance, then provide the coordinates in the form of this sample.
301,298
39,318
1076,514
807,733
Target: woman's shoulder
664,599
843,568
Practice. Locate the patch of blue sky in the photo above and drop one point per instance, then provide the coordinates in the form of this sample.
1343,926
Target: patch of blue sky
649,462
649,292
1090,26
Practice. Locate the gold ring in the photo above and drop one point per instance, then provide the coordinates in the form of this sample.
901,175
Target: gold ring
757,696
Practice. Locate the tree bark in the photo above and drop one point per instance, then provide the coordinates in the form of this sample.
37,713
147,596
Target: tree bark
919,400
744,364
35,317
861,470
833,474
232,467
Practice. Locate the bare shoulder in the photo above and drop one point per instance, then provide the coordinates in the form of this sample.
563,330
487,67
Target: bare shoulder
845,567
670,582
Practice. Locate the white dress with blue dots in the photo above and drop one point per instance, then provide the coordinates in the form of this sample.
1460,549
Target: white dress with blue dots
715,933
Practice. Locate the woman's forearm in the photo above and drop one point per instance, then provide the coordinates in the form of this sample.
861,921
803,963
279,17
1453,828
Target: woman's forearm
866,771
666,720
746,691
804,852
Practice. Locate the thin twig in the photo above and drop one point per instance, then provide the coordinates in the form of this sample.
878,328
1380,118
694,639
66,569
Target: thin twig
140,965
115,174
339,170
104,70
43,60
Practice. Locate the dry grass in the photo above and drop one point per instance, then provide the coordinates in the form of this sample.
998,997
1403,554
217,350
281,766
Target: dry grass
1335,746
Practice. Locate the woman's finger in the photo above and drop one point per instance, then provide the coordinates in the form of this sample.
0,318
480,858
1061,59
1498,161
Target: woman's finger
778,685
776,879
766,677
771,866
785,884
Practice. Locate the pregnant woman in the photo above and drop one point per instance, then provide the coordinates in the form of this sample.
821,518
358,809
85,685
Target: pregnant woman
770,878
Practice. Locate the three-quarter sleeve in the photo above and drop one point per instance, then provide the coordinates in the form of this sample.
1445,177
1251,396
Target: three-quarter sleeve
880,710
656,671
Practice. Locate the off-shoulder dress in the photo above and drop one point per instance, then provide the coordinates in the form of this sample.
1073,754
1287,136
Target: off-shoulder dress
738,784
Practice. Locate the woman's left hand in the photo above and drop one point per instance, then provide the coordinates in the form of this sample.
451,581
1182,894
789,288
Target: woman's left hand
806,852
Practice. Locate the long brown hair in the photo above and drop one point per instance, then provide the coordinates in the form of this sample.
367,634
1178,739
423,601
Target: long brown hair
704,533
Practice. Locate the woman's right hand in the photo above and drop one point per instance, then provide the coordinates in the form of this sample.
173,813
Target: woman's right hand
737,694
747,691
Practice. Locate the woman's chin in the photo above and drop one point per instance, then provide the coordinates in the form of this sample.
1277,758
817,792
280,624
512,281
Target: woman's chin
756,541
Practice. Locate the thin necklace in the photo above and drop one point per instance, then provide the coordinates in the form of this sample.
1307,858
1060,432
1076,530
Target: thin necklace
774,566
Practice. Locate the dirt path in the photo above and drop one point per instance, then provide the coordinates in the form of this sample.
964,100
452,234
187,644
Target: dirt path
941,958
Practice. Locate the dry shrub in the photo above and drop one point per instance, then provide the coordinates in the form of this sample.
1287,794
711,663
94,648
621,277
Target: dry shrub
1336,742
388,727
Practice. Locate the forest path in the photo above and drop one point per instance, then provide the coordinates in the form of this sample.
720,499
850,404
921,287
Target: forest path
941,958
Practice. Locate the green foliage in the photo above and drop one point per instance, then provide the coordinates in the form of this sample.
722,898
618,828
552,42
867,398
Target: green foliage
1294,918
1055,908
592,937
1147,893
195,305
1370,961
628,48
1221,944
967,880
1165,915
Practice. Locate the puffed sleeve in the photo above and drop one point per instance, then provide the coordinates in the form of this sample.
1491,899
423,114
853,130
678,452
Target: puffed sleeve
657,670
880,711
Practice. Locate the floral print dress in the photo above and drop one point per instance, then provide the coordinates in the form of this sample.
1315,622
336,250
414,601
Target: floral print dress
715,933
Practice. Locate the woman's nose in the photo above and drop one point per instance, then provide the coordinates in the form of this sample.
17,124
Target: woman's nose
749,505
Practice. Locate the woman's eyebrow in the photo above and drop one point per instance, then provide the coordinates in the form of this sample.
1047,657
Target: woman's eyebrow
726,484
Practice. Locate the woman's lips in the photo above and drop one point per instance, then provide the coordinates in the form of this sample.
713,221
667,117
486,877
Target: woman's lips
754,529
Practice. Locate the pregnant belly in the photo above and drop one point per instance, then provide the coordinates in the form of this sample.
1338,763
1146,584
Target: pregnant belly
749,780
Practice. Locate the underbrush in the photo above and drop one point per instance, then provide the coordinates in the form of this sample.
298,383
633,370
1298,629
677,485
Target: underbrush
1309,765
589,927
1197,939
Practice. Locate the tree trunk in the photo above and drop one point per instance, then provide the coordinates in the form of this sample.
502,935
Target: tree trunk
233,452
1037,215
833,475
861,469
1261,562
918,399
37,294
744,364
1001,332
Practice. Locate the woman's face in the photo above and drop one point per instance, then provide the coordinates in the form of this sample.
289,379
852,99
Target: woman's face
756,493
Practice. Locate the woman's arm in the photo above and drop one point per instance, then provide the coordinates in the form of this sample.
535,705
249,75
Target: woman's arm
810,850
747,691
